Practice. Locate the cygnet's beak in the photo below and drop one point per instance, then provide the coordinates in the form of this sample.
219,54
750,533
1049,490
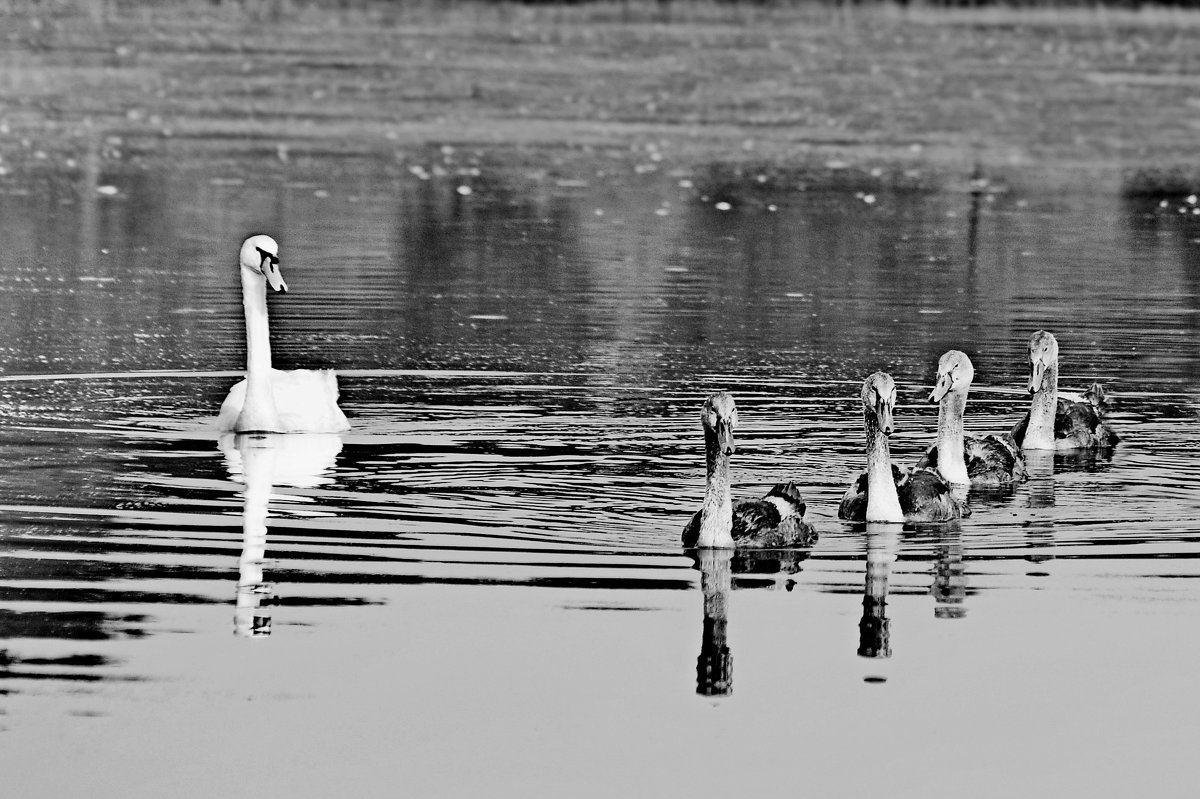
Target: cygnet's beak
941,389
1036,375
725,437
883,412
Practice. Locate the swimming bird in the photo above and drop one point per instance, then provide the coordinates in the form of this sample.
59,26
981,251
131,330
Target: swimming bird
773,522
884,492
966,459
1056,421
273,400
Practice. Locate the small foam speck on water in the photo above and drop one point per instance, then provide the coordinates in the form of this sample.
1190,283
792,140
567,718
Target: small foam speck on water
488,317
930,311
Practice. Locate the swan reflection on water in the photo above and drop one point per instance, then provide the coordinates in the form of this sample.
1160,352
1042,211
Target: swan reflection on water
758,568
949,587
874,629
714,666
261,462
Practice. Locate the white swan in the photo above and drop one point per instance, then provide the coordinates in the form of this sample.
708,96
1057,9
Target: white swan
272,400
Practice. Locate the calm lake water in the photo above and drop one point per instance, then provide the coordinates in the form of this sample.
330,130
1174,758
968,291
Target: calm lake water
479,589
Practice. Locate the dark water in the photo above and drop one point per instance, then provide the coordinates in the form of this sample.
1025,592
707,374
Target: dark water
479,588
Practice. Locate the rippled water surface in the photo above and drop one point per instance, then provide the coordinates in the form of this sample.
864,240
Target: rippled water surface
479,588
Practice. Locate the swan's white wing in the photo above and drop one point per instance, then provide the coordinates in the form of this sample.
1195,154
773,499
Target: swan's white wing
307,401
231,408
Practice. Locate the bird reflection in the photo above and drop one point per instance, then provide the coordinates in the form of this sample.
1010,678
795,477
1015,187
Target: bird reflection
755,568
262,461
874,629
714,667
1039,493
949,587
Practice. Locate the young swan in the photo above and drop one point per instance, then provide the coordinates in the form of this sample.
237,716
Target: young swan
773,522
964,459
272,400
1056,422
884,493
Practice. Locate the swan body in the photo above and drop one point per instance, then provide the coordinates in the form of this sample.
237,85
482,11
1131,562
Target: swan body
1058,421
272,400
965,459
884,492
776,521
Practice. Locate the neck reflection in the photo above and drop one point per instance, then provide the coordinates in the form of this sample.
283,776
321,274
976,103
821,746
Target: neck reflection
714,666
949,587
261,462
874,629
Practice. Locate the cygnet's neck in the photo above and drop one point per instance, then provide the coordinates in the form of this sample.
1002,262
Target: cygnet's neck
950,460
716,515
1039,433
883,504
258,410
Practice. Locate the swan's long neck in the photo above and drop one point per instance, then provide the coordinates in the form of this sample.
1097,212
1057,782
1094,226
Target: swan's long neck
716,515
1039,433
950,438
883,504
258,410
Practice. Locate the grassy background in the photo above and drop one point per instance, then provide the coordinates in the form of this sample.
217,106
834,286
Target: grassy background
1080,93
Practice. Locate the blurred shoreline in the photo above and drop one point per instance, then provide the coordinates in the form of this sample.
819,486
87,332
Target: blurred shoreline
1096,96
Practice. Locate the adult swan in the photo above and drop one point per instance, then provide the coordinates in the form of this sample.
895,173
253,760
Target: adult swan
273,400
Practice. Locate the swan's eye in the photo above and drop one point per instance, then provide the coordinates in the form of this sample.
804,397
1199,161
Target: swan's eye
267,258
